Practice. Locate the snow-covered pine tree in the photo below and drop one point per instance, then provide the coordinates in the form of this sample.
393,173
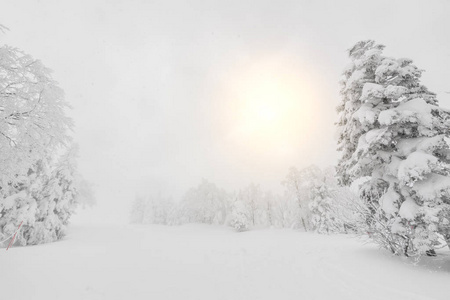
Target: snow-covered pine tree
298,186
321,219
41,230
365,58
392,130
42,201
324,218
67,178
17,206
54,188
240,218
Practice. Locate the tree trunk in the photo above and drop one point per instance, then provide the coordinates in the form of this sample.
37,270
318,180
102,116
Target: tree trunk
447,239
304,225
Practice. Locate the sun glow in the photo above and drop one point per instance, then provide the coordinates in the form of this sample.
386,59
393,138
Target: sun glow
265,107
274,107
271,111
268,112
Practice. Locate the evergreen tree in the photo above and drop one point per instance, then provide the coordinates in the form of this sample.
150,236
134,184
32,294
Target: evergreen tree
392,130
42,201
17,207
323,197
298,186
240,218
54,189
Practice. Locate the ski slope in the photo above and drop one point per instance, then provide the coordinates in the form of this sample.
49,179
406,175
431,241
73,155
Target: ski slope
209,262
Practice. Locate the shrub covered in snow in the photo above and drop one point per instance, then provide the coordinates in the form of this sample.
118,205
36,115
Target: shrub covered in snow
42,201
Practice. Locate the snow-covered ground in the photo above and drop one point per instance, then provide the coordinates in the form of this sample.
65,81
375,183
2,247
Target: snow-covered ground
209,262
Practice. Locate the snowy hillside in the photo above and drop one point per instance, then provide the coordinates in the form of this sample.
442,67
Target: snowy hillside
212,262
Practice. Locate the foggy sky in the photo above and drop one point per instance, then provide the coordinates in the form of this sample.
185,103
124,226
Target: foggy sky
153,83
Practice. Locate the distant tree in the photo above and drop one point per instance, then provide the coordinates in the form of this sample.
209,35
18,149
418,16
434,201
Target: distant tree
324,203
392,130
159,210
298,185
156,209
286,211
138,210
240,218
204,204
86,194
252,197
268,204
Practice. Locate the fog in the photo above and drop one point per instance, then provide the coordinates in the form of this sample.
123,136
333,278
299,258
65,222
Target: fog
165,93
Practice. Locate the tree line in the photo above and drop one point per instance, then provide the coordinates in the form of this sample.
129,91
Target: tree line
307,203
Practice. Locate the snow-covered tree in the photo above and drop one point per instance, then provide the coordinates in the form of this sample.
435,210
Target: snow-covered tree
240,217
138,210
32,118
286,211
56,193
42,201
252,207
204,204
298,185
86,194
392,130
365,57
159,210
37,185
16,207
156,209
268,207
252,197
324,198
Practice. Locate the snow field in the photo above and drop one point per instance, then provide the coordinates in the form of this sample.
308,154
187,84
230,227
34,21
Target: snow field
213,262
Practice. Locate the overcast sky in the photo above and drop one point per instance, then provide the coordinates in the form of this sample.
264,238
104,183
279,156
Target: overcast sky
163,92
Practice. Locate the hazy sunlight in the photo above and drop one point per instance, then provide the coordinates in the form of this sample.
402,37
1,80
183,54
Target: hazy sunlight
273,109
